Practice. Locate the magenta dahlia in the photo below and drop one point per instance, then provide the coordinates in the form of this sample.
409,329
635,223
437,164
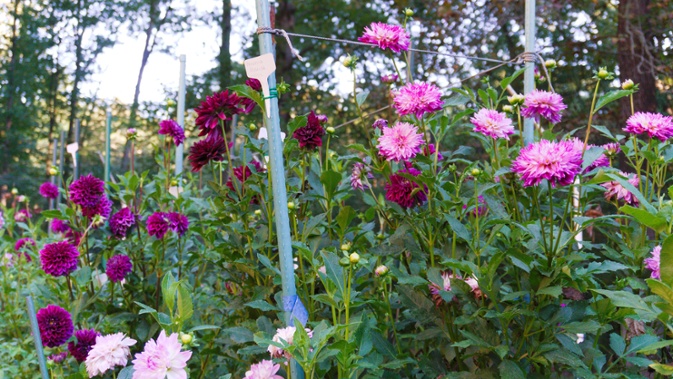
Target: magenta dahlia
557,162
380,124
59,226
615,191
654,124
601,161
206,150
429,151
121,222
253,83
157,225
417,99
49,190
542,103
400,143
178,223
653,264
59,258
359,171
87,191
55,325
86,339
173,129
386,36
20,246
220,106
400,190
492,123
103,208
118,266
310,135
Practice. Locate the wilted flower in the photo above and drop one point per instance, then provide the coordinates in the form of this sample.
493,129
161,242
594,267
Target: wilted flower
654,124
417,99
310,135
386,36
542,103
401,142
121,222
131,133
206,150
492,123
653,263
220,106
616,191
263,370
49,190
612,149
359,171
118,266
86,338
55,325
400,190
59,258
173,129
109,351
161,359
557,162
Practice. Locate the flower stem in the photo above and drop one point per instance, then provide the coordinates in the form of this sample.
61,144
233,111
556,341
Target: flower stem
591,115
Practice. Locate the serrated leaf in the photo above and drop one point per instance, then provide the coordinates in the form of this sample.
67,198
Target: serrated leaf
185,305
458,227
168,291
245,91
666,259
330,179
652,221
261,305
510,370
610,97
334,271
617,344
662,368
508,80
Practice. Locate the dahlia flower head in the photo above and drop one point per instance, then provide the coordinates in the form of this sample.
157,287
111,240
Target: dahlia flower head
380,124
21,247
55,324
360,171
429,151
310,135
161,359
543,104
400,189
49,190
654,263
86,338
103,209
58,357
87,191
615,191
417,99
654,124
284,336
2,220
220,106
22,215
492,123
108,351
172,129
386,36
263,370
601,161
59,226
400,143
121,222
159,223
118,266
253,83
206,150
556,162
59,258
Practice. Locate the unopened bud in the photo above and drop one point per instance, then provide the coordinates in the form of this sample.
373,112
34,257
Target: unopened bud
354,258
21,198
381,270
516,99
186,338
258,212
131,133
475,172
408,12
53,171
174,182
282,88
290,205
380,236
603,73
661,159
98,220
550,64
346,246
15,191
170,103
628,85
452,167
508,108
349,61
330,130
252,127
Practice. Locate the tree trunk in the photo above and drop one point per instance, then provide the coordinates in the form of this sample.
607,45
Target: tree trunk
225,55
285,19
12,68
636,56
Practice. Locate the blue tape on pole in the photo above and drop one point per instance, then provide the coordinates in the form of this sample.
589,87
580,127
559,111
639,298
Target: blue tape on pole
297,310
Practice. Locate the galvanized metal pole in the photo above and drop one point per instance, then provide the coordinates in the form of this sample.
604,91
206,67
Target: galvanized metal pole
53,164
61,158
108,131
37,338
529,74
75,156
277,167
180,150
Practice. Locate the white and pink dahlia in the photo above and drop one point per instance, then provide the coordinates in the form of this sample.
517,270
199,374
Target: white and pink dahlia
654,124
556,162
400,143
162,359
263,370
109,351
615,191
492,123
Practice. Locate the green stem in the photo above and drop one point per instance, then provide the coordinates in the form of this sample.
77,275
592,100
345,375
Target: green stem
591,115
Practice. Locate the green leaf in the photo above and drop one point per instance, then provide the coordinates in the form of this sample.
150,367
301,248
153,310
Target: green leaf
361,97
610,97
646,218
168,292
641,342
245,91
203,327
296,123
330,179
655,346
456,100
662,368
126,373
261,305
554,291
666,265
625,183
344,218
458,227
590,156
617,344
54,213
510,370
508,80
334,271
662,289
624,299
185,306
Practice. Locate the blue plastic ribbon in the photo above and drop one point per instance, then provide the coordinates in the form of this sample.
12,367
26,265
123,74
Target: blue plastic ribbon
297,310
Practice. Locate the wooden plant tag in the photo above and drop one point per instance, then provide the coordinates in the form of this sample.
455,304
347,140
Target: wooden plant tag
72,149
260,68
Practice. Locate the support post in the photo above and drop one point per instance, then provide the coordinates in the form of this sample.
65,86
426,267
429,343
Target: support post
108,131
37,338
180,150
278,179
53,164
76,162
61,152
529,74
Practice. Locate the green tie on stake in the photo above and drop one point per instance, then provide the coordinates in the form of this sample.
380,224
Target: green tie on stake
37,338
263,68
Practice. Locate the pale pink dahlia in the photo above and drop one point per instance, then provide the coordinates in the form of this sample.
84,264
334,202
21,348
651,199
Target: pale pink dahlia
386,36
653,263
557,162
418,98
492,123
263,370
161,359
284,336
109,351
616,191
359,171
434,288
654,124
542,103
401,142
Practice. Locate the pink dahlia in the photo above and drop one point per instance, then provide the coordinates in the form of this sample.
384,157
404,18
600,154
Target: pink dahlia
542,103
418,99
401,142
173,129
87,191
557,162
178,223
359,171
284,336
161,359
109,351
601,161
218,107
492,123
429,151
157,225
206,150
55,325
654,124
22,215
86,338
118,266
653,263
121,222
612,149
49,190
386,36
616,191
263,370
310,135
59,258
400,190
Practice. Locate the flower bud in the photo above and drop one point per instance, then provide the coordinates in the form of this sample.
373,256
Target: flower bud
170,103
566,270
408,12
380,236
508,108
258,212
350,61
516,99
628,85
174,182
282,87
346,246
252,127
98,220
290,205
21,198
550,64
15,191
452,167
131,133
186,338
381,270
53,171
603,73
661,159
475,172
330,130
354,258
